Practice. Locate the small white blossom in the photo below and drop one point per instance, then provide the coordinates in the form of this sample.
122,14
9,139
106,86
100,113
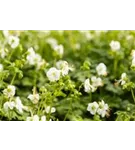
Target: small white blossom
115,45
101,69
92,108
43,118
123,78
1,67
18,104
102,109
9,91
77,46
34,98
63,67
133,53
13,41
35,118
53,42
5,33
129,37
9,105
49,109
3,52
59,49
29,119
53,74
96,81
32,57
88,36
88,87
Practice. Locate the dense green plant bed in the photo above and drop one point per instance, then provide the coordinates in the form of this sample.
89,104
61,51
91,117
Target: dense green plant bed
67,75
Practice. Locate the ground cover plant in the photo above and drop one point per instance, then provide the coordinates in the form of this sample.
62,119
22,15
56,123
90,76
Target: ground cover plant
67,75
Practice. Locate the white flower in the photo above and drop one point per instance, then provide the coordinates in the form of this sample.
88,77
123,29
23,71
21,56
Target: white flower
88,87
102,109
43,118
53,42
123,78
77,46
133,62
92,108
3,52
53,74
34,98
18,104
9,91
115,45
13,41
1,67
96,81
31,56
59,49
63,67
5,33
101,69
129,37
35,118
49,109
133,53
34,58
9,105
88,35
29,119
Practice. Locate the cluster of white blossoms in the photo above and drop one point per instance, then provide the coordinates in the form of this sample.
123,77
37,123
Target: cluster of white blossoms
34,98
14,104
115,45
12,40
133,58
55,46
1,67
62,68
9,92
50,109
34,58
95,83
101,69
98,108
36,118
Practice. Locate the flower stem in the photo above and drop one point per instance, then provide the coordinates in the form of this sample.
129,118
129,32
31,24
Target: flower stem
90,96
115,65
13,79
133,94
70,108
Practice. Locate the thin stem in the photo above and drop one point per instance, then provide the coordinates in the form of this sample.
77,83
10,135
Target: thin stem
90,96
70,108
133,94
115,65
13,79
